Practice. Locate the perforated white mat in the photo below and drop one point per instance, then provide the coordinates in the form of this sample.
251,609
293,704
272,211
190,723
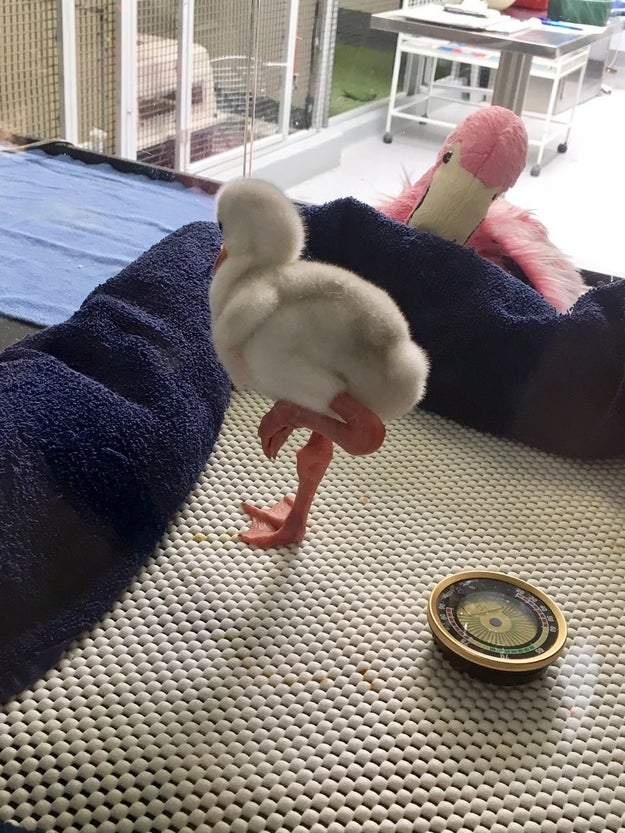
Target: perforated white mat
234,691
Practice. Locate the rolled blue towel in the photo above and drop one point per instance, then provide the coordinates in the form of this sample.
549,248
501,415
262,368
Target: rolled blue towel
502,359
106,422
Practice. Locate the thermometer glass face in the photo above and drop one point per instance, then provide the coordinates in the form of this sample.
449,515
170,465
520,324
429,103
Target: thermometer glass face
497,619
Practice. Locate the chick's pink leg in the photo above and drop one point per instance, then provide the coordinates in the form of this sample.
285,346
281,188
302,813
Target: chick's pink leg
360,432
285,523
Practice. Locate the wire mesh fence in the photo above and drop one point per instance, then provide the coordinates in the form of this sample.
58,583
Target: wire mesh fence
260,69
251,72
29,69
238,74
96,73
157,74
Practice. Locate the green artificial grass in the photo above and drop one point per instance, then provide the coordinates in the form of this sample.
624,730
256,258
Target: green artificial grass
360,74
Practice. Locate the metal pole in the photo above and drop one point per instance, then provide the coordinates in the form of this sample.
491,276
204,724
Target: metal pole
126,140
289,73
323,86
511,79
66,15
251,87
186,17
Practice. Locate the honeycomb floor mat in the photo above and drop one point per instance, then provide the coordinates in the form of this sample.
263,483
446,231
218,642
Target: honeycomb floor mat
233,690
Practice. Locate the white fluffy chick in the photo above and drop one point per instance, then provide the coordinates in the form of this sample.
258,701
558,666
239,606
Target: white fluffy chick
333,350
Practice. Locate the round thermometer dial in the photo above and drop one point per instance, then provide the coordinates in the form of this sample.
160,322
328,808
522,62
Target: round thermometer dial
496,627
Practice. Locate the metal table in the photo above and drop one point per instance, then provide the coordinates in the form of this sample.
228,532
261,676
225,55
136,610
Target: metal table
516,50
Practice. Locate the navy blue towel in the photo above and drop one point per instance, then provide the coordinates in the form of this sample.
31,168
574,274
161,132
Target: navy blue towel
106,420
503,360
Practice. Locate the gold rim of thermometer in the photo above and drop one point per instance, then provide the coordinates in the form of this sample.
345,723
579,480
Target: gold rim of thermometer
504,620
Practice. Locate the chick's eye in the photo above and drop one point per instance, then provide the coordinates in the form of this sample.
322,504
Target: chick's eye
447,156
494,197
221,228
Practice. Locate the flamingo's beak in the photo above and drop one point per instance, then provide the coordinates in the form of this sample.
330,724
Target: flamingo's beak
223,254
455,203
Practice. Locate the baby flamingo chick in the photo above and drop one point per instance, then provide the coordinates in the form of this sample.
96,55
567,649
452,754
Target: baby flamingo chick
333,351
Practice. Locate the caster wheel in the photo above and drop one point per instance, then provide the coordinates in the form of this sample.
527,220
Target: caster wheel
387,138
562,148
535,171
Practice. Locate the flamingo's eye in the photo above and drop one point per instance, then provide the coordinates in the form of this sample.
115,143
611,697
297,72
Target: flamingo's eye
447,156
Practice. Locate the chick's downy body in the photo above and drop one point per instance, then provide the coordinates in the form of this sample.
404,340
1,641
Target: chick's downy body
306,331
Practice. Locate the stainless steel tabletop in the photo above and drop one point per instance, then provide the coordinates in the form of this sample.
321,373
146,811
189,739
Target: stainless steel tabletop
548,42
516,50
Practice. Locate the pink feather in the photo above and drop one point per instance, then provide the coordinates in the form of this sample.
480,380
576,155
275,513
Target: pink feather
514,233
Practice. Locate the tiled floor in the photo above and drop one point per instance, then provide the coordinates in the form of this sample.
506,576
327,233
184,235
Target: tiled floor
579,195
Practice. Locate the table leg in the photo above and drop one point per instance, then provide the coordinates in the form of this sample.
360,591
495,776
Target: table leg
511,80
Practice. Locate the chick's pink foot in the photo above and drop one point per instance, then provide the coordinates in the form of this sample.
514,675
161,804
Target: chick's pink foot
285,523
270,527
